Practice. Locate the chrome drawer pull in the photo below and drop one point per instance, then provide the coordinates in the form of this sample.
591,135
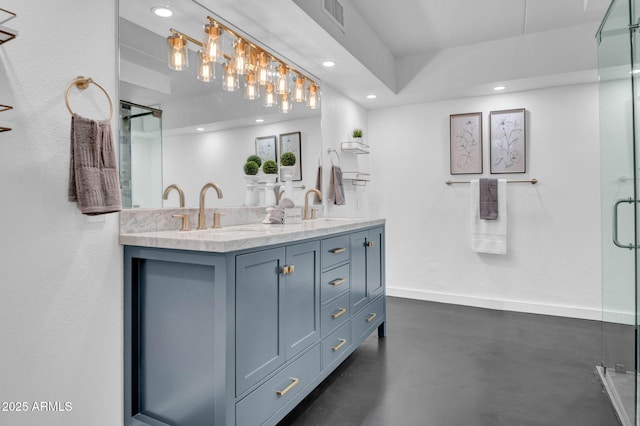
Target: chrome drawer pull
338,250
371,317
288,388
341,344
338,314
337,282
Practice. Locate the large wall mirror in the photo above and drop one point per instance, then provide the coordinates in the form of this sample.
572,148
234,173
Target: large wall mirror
192,132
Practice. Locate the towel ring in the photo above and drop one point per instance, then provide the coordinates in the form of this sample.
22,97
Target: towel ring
82,83
333,151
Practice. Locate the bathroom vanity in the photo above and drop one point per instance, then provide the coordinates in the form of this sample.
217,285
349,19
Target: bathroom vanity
235,326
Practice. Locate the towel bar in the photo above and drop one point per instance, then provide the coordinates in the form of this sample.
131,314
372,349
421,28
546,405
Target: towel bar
531,181
82,83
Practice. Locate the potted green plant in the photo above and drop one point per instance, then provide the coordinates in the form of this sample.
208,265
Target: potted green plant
251,168
356,135
270,167
288,159
256,159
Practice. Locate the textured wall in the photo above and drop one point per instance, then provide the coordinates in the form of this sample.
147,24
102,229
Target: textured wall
61,277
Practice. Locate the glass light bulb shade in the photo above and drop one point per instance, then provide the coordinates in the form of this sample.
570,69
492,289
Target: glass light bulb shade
251,90
206,70
285,104
282,80
313,97
263,71
178,54
211,42
230,82
240,56
299,94
270,98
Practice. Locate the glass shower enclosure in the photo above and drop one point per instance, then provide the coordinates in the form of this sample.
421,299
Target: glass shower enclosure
618,56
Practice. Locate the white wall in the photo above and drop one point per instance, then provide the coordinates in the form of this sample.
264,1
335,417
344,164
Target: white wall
61,303
193,160
553,260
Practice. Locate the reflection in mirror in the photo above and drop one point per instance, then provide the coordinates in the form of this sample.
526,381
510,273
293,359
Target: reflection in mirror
140,145
207,133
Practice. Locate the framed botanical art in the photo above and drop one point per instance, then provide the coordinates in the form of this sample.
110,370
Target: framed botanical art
290,142
266,148
507,134
465,143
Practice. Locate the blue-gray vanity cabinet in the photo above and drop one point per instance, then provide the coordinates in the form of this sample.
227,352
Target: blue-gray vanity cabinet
367,267
277,309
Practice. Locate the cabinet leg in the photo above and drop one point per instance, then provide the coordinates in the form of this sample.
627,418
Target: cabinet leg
382,330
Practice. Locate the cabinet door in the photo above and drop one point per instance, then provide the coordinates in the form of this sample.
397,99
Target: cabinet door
260,347
358,296
375,266
301,318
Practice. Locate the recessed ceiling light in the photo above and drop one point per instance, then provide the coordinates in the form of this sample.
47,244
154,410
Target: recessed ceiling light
260,120
200,129
162,11
328,64
372,96
499,88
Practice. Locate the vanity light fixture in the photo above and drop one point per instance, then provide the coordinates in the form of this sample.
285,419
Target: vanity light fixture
299,94
269,96
313,97
206,70
178,54
285,103
256,66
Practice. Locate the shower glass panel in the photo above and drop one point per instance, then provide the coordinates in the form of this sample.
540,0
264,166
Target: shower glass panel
140,156
618,174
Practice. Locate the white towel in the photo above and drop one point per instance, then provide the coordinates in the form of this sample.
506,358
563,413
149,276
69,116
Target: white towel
489,236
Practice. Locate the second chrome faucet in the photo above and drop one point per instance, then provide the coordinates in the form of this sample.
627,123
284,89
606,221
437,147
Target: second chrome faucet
201,210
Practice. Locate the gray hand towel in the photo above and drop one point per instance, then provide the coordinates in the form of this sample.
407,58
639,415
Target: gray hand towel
93,170
336,188
316,198
488,199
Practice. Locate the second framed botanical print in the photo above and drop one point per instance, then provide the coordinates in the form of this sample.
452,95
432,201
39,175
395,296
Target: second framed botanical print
507,135
290,142
465,143
266,148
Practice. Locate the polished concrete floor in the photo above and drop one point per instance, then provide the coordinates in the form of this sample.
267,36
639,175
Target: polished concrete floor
449,365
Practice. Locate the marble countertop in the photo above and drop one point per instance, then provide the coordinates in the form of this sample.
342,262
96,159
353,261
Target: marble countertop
240,237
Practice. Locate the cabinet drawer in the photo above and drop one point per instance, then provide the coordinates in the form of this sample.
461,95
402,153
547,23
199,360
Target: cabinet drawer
334,314
334,347
334,282
265,401
335,250
365,321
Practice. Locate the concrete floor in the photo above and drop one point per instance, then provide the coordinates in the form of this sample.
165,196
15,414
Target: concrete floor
449,365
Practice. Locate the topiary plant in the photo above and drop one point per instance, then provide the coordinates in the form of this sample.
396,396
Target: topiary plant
270,167
357,133
251,168
255,159
288,158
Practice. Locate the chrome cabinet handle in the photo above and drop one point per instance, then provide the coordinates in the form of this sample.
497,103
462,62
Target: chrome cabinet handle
615,224
288,388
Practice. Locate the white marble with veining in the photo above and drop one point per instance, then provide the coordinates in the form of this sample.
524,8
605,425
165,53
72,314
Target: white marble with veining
247,236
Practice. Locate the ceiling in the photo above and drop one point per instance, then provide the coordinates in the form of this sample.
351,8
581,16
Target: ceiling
404,51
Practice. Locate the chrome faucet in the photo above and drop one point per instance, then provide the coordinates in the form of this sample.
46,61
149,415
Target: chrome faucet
203,192
177,188
306,215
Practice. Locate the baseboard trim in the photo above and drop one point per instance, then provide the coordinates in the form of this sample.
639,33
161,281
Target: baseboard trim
498,304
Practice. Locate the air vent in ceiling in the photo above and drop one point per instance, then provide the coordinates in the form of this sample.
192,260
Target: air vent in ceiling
334,10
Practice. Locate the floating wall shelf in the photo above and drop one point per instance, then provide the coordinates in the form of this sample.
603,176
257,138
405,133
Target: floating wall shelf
355,147
6,34
357,178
